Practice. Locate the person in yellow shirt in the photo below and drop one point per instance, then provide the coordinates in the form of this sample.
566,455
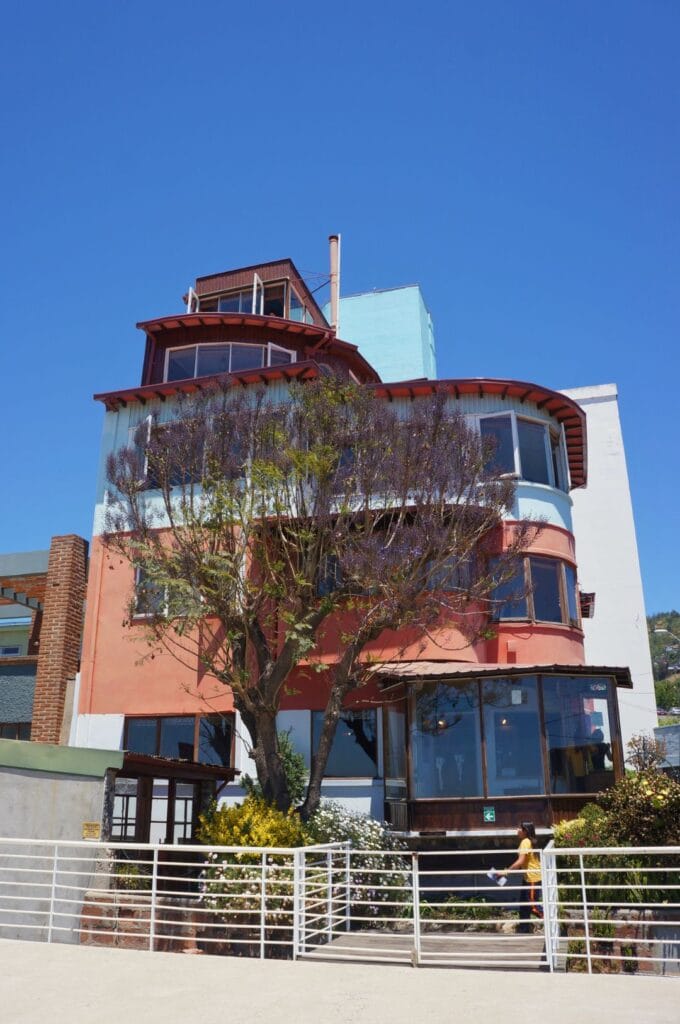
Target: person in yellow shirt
529,862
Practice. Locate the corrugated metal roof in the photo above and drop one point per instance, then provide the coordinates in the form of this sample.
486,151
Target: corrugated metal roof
405,671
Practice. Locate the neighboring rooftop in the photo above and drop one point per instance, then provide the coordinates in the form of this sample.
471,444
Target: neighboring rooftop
24,563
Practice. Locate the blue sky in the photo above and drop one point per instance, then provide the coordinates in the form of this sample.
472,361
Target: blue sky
519,160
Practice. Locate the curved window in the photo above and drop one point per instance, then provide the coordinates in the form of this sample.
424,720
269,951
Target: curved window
207,360
531,449
543,590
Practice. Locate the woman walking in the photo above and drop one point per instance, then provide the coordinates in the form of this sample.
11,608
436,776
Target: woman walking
528,861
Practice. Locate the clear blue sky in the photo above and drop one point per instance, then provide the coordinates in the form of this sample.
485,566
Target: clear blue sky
519,160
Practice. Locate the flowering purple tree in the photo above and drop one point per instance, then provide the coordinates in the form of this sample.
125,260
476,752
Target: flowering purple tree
253,523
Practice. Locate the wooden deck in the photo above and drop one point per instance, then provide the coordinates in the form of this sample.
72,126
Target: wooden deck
450,949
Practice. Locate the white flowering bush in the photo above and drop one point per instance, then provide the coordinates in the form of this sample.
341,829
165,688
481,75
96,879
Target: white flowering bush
380,883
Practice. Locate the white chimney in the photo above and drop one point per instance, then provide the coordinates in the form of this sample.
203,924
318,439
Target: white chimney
334,242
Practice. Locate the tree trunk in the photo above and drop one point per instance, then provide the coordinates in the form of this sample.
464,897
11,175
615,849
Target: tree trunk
270,774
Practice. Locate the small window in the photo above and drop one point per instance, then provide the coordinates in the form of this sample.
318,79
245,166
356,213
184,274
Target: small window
15,730
150,597
246,357
545,582
181,364
533,455
297,309
279,356
9,651
497,432
572,596
354,752
274,300
509,599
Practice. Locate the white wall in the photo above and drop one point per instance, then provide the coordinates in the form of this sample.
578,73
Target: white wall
607,556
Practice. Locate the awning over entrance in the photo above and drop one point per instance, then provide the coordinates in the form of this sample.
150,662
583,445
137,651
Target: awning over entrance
394,672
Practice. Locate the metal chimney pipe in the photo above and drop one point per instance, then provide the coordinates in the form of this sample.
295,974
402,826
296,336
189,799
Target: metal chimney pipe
334,242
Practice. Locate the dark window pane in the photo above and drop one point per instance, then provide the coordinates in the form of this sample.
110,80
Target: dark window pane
279,356
545,576
570,579
208,305
514,765
532,454
246,357
23,730
274,296
177,738
296,307
230,303
394,718
140,735
214,741
212,359
330,576
149,596
497,430
557,461
508,599
446,741
181,363
354,751
578,733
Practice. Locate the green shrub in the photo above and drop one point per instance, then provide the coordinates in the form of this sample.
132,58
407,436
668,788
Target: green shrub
643,809
252,823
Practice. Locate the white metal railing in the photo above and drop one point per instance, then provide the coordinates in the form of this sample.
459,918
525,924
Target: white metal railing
604,909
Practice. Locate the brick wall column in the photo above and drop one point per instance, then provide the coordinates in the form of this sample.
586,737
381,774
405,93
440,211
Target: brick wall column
60,634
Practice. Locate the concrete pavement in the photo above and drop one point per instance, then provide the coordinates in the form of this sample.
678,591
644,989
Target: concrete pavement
82,985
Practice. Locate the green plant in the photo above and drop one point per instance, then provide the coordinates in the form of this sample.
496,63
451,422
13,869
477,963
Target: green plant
643,809
252,823
471,915
601,935
131,877
294,769
380,883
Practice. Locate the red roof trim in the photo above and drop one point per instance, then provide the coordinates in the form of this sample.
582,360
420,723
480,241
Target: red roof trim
114,399
564,409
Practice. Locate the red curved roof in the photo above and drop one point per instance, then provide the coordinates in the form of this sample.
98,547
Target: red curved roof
565,410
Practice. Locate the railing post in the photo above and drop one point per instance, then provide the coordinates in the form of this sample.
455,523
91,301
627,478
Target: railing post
297,877
415,888
329,894
154,892
549,903
263,901
348,883
586,924
53,892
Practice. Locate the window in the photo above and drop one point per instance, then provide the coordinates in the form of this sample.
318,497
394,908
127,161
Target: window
512,735
150,597
274,299
208,360
9,650
330,576
206,739
578,733
15,730
543,590
446,741
455,573
394,738
533,452
532,449
124,817
497,431
297,309
354,753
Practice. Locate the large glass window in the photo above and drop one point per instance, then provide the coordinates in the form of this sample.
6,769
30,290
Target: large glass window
497,432
174,736
354,752
209,360
512,737
445,741
578,733
509,599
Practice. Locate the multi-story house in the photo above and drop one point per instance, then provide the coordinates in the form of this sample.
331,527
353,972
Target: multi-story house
518,725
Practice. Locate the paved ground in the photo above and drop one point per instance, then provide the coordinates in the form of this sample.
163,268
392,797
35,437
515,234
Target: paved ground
80,985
